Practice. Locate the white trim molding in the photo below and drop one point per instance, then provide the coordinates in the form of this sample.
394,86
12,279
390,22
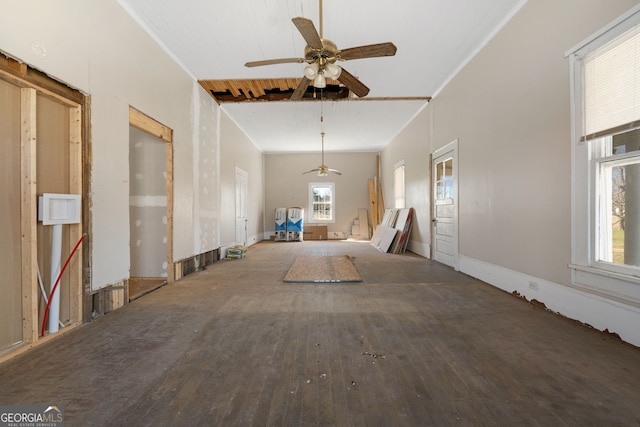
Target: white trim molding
602,312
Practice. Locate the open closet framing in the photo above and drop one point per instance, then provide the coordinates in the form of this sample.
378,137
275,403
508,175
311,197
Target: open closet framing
41,150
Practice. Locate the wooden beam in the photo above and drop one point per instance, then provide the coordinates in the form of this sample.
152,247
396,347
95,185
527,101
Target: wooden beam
28,224
20,67
76,283
170,266
87,211
373,204
379,199
147,124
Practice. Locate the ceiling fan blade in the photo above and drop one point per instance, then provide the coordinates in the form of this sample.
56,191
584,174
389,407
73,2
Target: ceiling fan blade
312,170
337,172
353,84
273,61
308,31
369,51
301,89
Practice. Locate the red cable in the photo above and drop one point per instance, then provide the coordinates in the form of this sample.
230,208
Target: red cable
55,285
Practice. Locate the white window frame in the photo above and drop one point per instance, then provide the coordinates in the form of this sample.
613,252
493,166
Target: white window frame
615,282
313,220
399,185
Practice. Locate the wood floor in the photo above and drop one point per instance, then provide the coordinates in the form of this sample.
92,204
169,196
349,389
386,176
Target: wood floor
140,286
414,344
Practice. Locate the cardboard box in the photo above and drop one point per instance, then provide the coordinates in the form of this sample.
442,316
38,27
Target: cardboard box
315,232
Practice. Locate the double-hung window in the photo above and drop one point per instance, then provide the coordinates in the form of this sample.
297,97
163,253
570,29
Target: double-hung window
321,202
606,157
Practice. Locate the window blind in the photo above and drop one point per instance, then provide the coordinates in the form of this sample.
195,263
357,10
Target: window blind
612,85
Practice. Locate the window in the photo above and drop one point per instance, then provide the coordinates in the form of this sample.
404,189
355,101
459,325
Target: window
618,198
606,151
444,179
321,202
398,185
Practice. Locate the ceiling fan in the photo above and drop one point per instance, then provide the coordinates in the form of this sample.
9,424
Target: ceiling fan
323,170
321,55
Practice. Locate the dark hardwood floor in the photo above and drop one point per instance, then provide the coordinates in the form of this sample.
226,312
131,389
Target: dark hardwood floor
414,344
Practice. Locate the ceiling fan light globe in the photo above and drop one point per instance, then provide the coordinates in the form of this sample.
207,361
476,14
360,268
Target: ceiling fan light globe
333,71
320,82
311,71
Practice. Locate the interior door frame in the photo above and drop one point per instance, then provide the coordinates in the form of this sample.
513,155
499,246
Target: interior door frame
451,149
242,203
145,123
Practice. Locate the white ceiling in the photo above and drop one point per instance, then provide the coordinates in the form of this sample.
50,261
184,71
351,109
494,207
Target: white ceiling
212,39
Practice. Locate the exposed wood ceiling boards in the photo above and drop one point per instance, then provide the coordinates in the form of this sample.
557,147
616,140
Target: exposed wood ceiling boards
242,90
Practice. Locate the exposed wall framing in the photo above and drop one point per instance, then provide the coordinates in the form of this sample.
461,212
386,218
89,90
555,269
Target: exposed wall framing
195,263
36,89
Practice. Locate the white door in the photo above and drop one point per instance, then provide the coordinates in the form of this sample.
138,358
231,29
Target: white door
445,207
241,206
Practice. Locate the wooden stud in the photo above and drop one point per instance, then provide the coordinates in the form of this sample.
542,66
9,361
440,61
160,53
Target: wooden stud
76,287
170,267
373,204
379,200
28,225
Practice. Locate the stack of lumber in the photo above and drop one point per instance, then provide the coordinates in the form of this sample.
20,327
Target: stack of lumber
392,235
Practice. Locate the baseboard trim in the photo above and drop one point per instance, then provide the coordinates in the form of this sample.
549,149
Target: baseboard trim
422,249
596,311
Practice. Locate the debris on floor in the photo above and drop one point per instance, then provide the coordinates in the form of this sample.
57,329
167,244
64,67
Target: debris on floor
236,252
374,355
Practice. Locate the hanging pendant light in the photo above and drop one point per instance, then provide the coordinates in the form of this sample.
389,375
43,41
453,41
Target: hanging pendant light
320,82
311,71
333,71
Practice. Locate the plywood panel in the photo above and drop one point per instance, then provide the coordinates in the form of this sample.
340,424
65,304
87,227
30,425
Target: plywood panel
10,249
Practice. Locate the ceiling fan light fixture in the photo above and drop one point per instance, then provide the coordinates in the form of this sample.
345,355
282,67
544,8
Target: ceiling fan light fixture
311,71
320,82
333,71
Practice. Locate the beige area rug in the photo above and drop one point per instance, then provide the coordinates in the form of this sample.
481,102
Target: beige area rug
323,269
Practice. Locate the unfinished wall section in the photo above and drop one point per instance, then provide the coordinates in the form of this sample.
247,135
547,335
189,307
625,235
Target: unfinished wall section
98,48
41,147
206,172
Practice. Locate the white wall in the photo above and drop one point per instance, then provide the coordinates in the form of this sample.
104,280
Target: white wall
97,48
509,108
286,186
411,146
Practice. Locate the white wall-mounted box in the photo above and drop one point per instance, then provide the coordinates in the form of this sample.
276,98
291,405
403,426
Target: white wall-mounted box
59,208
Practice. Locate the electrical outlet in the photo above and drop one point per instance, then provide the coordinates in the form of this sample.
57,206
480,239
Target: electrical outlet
533,285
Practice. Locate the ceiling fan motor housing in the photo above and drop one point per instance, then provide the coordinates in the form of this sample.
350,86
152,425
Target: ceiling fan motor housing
329,52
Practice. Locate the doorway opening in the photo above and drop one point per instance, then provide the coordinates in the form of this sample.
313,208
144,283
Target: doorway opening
150,213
